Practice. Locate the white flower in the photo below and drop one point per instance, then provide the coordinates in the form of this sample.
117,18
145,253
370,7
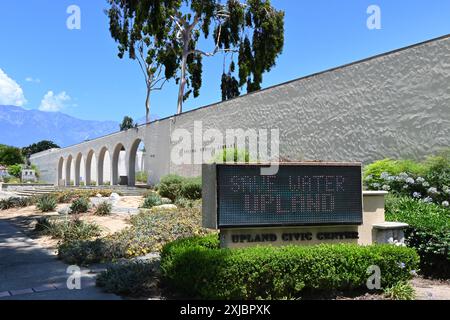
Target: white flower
428,200
432,190
445,203
386,187
420,180
375,185
405,186
425,184
402,265
403,175
384,175
409,180
417,195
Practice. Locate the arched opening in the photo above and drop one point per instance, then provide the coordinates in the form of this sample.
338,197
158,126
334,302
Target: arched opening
119,166
79,170
104,167
60,179
137,173
68,169
91,170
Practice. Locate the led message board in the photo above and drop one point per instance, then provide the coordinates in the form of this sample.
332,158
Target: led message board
298,195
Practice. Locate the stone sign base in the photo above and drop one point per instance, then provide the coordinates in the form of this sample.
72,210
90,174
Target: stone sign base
278,236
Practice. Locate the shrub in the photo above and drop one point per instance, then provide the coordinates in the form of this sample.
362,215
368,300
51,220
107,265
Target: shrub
16,202
80,205
46,203
170,185
151,200
428,232
68,196
232,155
83,252
438,170
428,180
15,170
184,203
196,267
400,291
148,233
67,230
103,208
141,176
191,188
135,279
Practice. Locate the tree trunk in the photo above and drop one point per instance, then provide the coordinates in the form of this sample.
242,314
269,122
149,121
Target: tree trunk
182,84
147,106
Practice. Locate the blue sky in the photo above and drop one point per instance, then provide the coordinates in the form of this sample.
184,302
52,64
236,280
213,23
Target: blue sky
53,67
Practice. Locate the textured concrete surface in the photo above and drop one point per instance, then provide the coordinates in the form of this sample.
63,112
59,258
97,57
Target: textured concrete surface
394,105
28,271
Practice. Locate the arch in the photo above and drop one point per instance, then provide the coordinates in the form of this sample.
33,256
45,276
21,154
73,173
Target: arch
78,168
68,167
132,162
59,181
88,175
115,163
100,165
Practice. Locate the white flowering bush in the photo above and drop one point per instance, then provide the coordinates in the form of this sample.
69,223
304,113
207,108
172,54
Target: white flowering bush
427,181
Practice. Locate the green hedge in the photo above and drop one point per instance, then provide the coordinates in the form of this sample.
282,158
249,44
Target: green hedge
428,232
176,187
196,267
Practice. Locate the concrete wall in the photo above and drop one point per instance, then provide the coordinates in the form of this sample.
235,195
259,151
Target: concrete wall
394,105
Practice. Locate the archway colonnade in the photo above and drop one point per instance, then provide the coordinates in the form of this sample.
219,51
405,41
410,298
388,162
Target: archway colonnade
109,165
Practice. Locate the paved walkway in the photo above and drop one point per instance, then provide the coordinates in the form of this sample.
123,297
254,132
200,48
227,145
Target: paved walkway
29,271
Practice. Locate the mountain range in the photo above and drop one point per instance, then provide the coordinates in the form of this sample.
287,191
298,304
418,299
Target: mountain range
21,127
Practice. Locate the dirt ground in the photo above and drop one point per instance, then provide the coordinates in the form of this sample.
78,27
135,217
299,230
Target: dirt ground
25,219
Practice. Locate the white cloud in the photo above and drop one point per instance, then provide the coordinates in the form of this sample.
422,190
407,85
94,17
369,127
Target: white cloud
31,79
53,103
10,91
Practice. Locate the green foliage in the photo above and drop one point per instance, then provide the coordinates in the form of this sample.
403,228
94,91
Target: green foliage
10,155
152,32
15,170
134,279
196,267
103,208
127,123
428,232
151,200
185,203
393,168
232,155
46,203
170,185
438,170
148,233
83,252
428,180
68,230
38,147
191,188
400,291
142,176
16,202
174,187
80,205
68,196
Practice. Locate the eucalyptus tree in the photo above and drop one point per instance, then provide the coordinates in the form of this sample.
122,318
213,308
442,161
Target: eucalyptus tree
140,30
250,34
